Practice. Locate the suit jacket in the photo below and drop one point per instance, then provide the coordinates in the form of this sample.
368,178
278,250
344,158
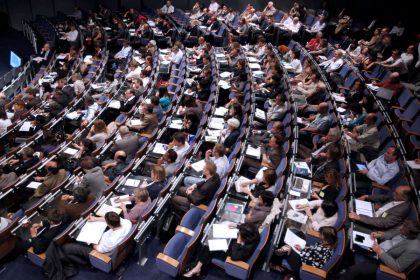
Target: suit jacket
41,242
94,180
74,210
25,165
128,105
129,144
231,139
403,254
149,124
239,252
394,216
51,181
205,191
155,188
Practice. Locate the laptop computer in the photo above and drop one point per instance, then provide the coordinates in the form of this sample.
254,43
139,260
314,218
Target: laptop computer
385,93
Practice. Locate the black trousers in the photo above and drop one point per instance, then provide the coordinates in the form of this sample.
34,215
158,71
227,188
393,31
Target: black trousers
366,268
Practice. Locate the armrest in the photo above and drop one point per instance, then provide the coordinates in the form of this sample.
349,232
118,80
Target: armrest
342,87
313,233
314,270
171,92
172,84
388,270
42,256
185,230
404,119
167,259
317,184
102,257
397,107
173,76
240,264
202,207
379,186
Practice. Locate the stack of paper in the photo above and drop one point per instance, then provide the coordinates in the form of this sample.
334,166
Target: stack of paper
216,125
220,55
253,151
115,104
297,216
73,115
33,185
199,165
218,245
260,114
117,204
341,110
254,66
225,75
211,139
292,239
61,56
26,126
132,183
364,208
160,148
135,122
105,208
70,151
224,84
223,231
176,126
252,59
372,87
295,202
220,111
214,133
363,239
339,98
238,183
91,232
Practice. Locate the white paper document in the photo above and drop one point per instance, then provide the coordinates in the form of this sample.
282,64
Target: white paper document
364,208
224,84
132,183
214,133
252,151
238,183
339,98
225,75
115,104
117,204
223,231
176,126
292,239
33,185
297,216
295,202
220,111
26,126
71,151
73,115
252,59
372,87
362,239
216,125
212,139
260,114
255,66
160,148
135,122
105,208
199,165
61,56
218,245
91,232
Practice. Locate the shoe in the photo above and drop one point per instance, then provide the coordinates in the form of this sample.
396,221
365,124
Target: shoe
191,273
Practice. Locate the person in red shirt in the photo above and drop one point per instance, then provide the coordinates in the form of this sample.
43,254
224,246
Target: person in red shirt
314,43
393,83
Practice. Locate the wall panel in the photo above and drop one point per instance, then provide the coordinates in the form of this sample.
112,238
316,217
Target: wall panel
43,7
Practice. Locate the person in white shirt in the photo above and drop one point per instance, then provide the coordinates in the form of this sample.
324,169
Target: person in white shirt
318,26
269,10
218,157
71,36
214,6
395,63
168,8
123,53
4,121
334,63
176,55
134,70
259,48
77,253
408,56
293,26
89,113
295,63
180,145
398,29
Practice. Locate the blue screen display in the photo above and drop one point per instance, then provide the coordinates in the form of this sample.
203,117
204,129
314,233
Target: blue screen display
15,60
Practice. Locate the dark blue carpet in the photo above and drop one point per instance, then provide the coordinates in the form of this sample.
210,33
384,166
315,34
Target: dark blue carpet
23,269
13,40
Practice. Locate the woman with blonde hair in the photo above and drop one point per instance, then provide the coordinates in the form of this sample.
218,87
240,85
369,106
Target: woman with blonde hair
141,201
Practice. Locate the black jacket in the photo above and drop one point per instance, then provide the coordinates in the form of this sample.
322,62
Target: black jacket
41,242
238,252
155,188
205,191
231,139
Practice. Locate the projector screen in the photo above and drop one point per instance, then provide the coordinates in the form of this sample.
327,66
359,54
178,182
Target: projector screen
15,60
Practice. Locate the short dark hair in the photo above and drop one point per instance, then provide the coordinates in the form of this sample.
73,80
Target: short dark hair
249,233
172,155
329,207
149,108
87,163
270,176
412,228
80,194
112,219
179,136
267,198
154,100
54,216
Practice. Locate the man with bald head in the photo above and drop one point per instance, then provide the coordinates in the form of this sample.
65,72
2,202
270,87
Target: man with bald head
364,136
394,209
320,123
129,142
393,83
113,169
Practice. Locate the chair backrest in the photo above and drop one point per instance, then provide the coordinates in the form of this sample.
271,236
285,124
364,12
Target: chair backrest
192,218
338,251
341,215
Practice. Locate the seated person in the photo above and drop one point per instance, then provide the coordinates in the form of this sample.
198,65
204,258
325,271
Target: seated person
55,176
261,209
141,201
24,162
158,177
113,169
319,124
356,117
393,209
266,182
7,177
398,248
365,137
157,108
271,154
98,133
325,161
325,216
379,171
263,136
78,253
129,142
169,162
316,255
229,136
180,145
218,157
331,189
149,120
240,249
201,193
54,224
275,112
334,64
93,178
75,204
